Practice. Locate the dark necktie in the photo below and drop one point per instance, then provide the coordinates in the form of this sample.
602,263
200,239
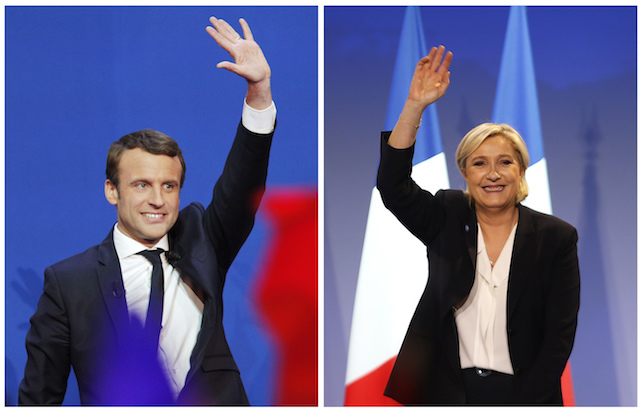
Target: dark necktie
155,310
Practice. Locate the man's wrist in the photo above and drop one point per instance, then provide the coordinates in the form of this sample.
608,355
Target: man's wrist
259,95
260,121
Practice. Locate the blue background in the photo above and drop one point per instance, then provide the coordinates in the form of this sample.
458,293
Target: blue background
78,78
586,67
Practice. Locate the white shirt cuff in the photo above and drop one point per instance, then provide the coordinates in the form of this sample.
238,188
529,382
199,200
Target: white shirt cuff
259,121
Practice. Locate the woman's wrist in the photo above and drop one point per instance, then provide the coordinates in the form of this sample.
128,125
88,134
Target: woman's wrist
412,112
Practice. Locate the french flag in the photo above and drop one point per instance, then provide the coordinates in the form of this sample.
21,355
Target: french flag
394,268
516,104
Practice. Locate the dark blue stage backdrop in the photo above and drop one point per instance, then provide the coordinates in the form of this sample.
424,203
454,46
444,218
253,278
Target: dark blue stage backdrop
585,61
78,78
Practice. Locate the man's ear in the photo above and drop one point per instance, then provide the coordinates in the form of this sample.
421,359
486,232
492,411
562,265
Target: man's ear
111,192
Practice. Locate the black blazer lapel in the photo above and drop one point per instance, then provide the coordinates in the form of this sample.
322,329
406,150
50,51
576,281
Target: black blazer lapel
523,259
458,290
184,262
111,285
470,228
458,286
190,273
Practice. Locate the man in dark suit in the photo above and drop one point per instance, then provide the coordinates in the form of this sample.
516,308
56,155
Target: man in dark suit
102,312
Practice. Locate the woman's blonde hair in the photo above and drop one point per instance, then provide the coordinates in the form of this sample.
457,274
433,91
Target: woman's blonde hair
478,135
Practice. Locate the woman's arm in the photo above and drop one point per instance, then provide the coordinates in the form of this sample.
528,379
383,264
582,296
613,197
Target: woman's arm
415,208
429,83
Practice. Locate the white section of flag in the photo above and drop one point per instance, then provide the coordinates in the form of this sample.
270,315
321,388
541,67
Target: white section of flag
392,276
539,197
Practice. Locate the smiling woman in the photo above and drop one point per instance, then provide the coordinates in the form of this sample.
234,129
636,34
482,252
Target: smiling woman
472,340
589,123
493,159
480,156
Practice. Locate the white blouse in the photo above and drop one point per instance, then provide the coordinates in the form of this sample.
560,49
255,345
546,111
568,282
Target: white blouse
481,320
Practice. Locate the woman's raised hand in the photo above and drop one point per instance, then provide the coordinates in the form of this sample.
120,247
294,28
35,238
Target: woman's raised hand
431,78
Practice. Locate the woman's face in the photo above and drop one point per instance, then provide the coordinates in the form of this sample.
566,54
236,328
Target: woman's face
493,174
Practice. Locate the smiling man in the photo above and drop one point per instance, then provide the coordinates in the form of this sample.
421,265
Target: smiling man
144,183
139,316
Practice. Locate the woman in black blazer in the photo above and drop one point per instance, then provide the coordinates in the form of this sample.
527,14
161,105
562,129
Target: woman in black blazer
497,320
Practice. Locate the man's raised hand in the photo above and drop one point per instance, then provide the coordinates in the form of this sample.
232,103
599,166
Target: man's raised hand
249,61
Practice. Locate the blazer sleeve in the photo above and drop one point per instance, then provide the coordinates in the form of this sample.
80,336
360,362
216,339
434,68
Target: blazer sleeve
229,218
47,343
561,306
417,209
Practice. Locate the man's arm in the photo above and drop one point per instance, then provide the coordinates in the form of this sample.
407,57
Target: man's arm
47,343
230,216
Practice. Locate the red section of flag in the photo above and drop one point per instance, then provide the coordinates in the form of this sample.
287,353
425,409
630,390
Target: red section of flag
567,386
287,293
368,390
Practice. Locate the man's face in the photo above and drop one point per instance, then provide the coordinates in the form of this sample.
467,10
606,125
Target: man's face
147,199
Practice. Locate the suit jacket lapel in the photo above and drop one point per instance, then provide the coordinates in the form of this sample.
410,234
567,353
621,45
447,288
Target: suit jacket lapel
470,228
459,288
185,264
189,273
523,259
111,285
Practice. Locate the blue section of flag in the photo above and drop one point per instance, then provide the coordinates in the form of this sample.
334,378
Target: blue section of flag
412,47
516,97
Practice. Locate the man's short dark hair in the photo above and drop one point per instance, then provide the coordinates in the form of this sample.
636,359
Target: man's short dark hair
151,141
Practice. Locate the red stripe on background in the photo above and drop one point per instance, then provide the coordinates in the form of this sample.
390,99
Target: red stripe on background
287,294
567,386
368,390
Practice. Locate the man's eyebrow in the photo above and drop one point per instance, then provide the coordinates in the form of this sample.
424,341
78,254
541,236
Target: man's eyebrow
139,180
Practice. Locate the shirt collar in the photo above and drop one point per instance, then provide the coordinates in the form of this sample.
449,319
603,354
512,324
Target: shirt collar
126,246
502,265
